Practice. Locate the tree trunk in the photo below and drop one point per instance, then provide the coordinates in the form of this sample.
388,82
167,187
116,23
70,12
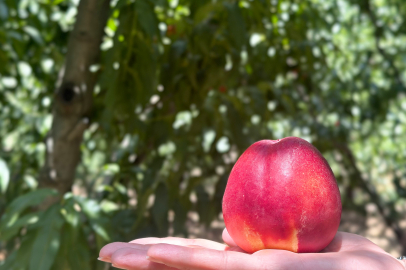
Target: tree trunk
73,97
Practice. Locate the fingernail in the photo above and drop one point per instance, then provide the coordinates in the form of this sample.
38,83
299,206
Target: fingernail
117,266
153,260
102,259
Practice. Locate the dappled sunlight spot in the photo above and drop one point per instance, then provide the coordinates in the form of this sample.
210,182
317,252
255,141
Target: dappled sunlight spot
154,99
167,149
223,145
183,118
9,82
132,197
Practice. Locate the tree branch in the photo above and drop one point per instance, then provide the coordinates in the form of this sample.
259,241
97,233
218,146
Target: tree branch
73,96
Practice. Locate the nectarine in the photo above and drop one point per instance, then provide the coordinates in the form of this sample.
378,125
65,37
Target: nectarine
282,194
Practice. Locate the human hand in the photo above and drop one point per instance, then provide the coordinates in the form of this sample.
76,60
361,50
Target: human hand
346,252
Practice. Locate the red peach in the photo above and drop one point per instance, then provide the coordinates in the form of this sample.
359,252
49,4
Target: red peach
282,194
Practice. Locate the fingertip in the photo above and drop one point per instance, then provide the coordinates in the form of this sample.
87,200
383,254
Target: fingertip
107,250
227,239
126,257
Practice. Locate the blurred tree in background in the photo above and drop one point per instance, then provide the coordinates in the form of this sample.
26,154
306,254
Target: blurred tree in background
166,95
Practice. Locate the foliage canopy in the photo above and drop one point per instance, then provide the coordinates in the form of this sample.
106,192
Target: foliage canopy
185,87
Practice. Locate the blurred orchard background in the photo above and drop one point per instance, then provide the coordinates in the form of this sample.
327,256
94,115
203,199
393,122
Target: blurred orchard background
122,119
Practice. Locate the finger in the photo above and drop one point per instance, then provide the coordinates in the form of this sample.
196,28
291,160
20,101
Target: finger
106,252
227,239
282,259
361,259
238,249
355,259
350,242
135,259
199,258
230,242
181,242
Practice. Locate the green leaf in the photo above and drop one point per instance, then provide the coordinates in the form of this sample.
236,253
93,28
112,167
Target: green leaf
146,17
47,241
56,2
21,203
109,206
112,25
236,25
34,33
120,4
3,10
10,261
4,176
7,231
146,68
92,210
19,258
72,217
203,8
100,230
73,258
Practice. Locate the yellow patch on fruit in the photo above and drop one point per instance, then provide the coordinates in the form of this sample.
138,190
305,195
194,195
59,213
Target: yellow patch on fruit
253,238
291,243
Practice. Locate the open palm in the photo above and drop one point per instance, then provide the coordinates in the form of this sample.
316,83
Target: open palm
346,251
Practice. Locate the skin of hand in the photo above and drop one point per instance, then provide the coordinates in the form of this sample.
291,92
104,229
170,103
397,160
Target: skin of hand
346,252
